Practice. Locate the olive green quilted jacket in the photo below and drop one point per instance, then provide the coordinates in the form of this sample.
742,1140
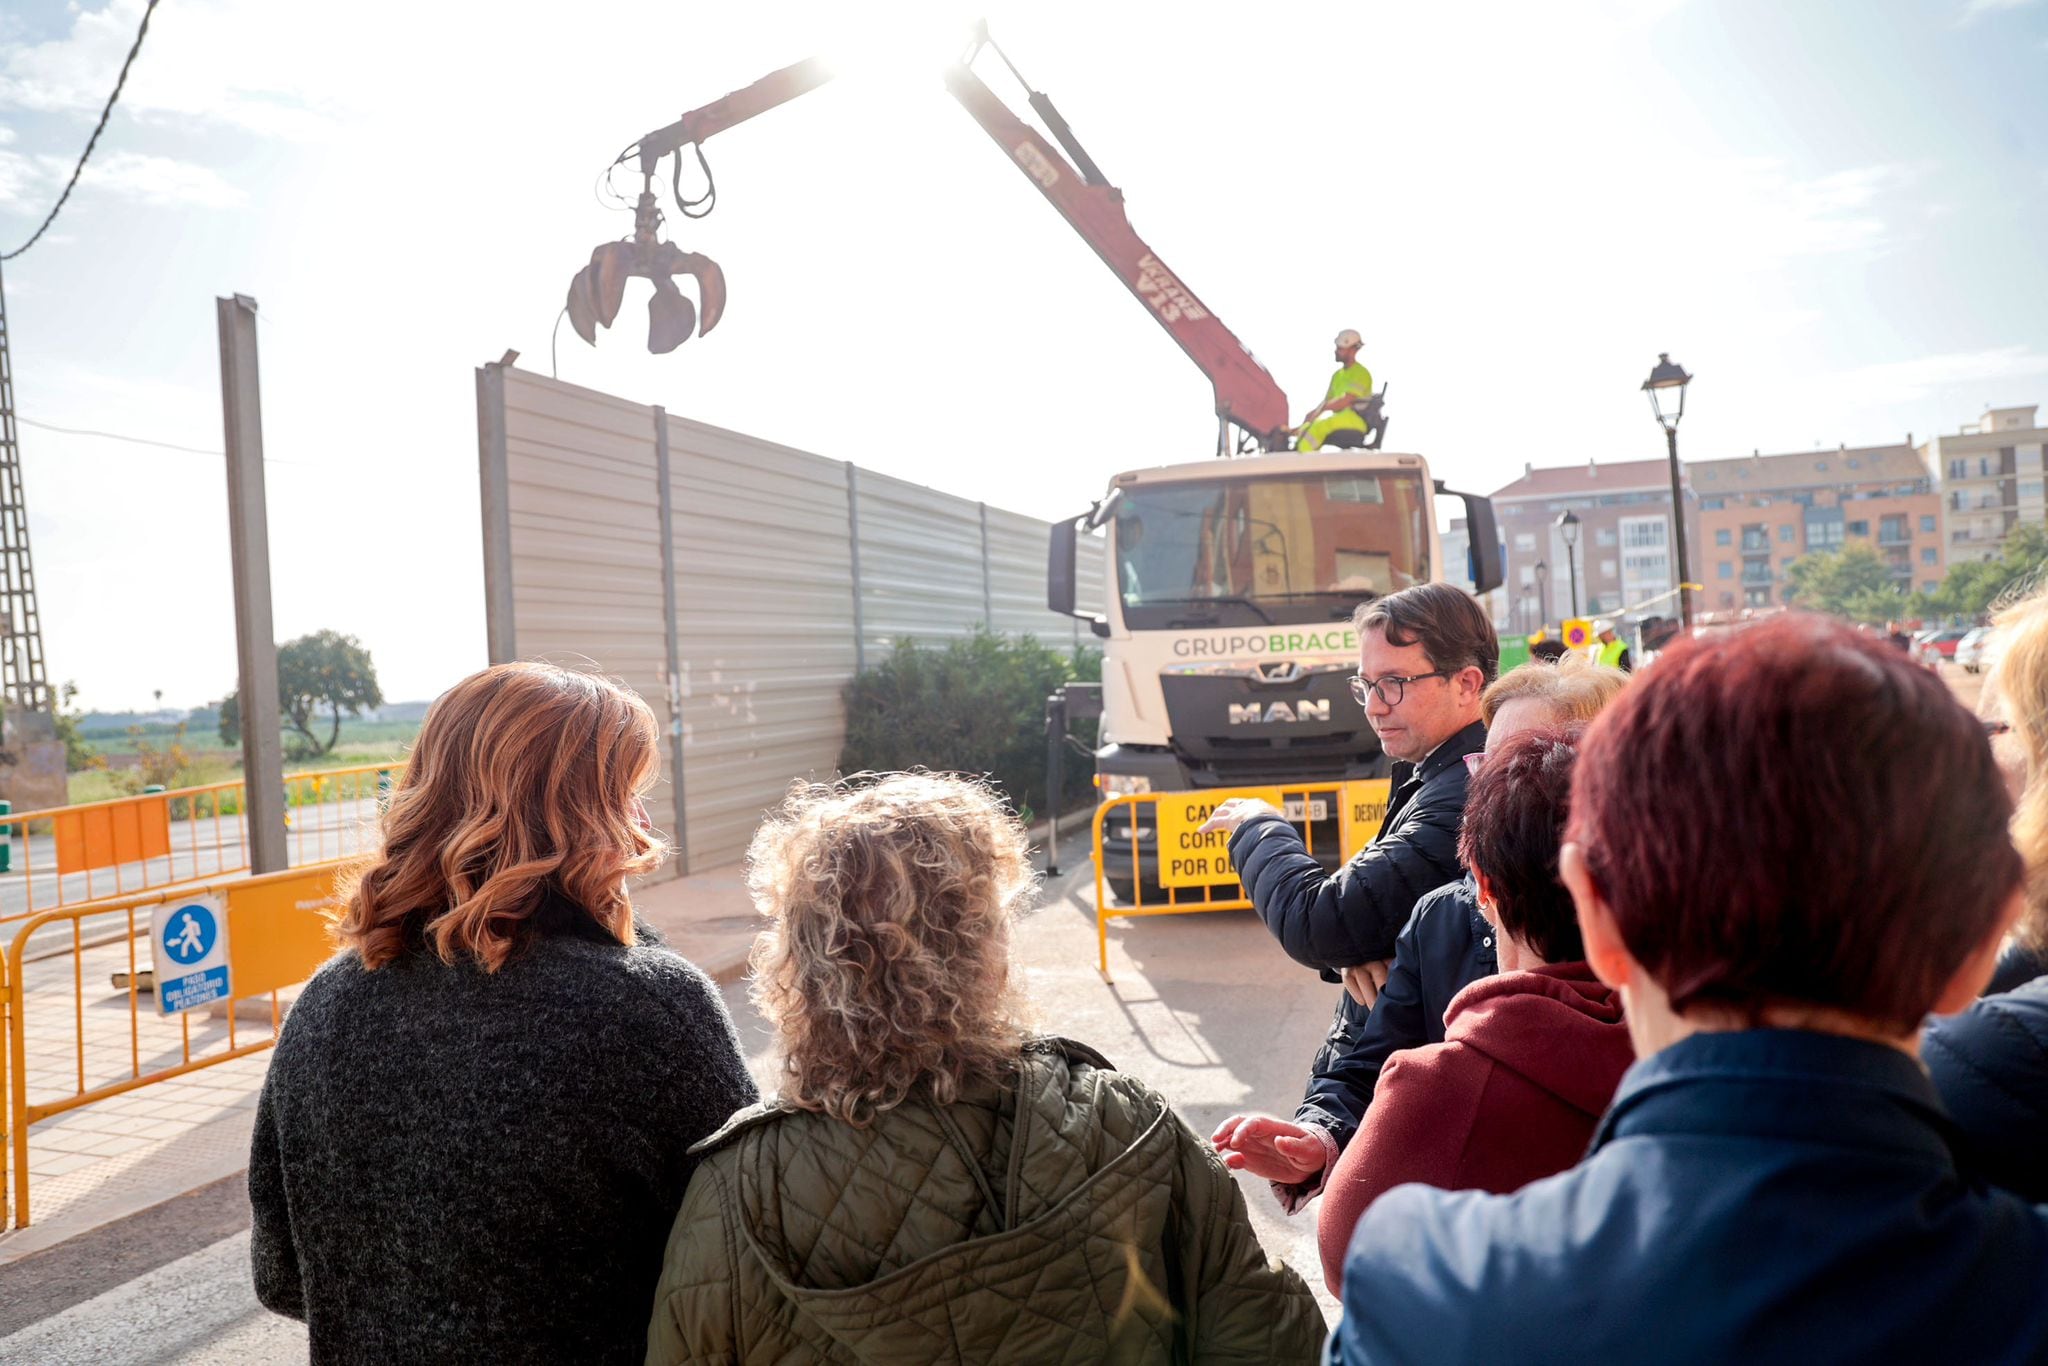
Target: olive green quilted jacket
1069,1217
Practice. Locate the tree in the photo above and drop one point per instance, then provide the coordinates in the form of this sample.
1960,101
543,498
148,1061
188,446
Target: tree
323,672
1853,582
976,706
1974,587
78,755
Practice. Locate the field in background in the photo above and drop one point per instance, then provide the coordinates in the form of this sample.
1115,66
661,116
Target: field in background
362,742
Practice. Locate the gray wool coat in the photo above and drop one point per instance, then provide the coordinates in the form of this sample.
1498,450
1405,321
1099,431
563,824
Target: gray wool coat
454,1166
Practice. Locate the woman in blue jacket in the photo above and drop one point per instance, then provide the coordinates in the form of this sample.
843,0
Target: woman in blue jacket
1780,902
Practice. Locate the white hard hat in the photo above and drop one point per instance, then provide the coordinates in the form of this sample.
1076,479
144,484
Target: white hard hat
1349,337
1602,626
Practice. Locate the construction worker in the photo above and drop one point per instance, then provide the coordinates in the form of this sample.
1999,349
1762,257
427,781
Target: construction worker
1350,387
1613,651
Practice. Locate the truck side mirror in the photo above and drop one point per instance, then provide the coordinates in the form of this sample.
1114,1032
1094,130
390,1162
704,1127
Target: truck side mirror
1060,575
1484,540
1059,568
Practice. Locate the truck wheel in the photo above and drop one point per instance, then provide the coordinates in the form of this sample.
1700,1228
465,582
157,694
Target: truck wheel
1124,891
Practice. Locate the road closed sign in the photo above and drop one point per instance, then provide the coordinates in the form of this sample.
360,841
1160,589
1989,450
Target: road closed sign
1187,857
189,945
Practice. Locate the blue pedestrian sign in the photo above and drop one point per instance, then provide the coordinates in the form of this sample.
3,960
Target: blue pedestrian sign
189,940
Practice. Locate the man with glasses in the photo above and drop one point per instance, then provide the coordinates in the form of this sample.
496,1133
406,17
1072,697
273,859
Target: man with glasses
1425,655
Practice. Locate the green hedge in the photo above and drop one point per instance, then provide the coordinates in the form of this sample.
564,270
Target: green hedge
972,706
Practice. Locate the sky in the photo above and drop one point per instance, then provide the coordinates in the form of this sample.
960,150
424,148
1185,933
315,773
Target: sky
1833,215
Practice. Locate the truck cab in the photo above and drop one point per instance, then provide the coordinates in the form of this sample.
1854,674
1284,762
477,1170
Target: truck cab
1227,635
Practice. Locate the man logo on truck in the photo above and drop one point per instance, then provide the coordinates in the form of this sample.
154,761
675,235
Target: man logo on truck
1251,714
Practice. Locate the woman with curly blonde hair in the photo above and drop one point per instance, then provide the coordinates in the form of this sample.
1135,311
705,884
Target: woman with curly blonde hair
476,1127
1990,1062
934,1183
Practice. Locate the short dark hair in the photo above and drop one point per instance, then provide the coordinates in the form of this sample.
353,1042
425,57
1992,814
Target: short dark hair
1514,826
1449,624
1795,814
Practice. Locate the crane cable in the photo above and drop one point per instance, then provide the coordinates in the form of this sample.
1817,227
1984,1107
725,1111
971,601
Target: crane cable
92,141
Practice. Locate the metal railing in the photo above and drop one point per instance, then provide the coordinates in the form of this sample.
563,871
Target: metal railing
1185,862
155,840
278,938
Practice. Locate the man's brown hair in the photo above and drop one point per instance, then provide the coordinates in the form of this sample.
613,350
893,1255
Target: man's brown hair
1445,620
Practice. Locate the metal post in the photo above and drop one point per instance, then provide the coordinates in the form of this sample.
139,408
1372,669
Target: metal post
1678,533
497,507
860,644
671,630
1571,559
1055,774
249,540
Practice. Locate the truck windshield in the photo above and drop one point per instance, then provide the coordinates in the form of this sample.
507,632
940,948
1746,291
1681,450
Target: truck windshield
1268,551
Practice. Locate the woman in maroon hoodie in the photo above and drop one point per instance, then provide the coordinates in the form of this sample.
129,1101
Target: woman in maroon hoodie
1531,1056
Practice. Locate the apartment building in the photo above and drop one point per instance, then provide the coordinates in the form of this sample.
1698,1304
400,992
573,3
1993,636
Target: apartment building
1990,477
1624,553
1759,513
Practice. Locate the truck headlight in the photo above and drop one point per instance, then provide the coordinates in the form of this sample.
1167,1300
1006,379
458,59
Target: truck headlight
1121,785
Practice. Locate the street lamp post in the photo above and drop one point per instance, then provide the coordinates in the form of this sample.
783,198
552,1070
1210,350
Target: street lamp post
1568,528
1666,388
1542,594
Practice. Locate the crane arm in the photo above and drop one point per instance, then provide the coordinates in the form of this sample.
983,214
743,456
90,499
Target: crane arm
775,88
1246,394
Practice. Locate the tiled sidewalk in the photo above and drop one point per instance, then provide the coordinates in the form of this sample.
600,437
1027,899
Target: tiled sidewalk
78,1034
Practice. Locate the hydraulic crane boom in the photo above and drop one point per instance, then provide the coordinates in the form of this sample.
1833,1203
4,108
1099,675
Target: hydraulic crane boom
1246,395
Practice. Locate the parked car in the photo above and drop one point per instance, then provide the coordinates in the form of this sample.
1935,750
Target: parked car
1970,649
1940,645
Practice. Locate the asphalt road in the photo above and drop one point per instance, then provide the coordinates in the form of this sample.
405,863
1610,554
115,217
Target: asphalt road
1204,1007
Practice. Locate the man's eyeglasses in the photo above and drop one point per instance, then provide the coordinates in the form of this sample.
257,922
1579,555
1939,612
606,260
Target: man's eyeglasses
1389,689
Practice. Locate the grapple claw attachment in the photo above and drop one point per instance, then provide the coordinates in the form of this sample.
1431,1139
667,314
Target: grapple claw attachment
582,305
670,317
710,288
610,264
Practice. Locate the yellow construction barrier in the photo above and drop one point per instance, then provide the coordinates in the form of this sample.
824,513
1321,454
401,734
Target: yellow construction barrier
276,930
1185,861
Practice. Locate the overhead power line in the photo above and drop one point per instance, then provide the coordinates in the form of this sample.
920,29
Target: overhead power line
101,127
114,436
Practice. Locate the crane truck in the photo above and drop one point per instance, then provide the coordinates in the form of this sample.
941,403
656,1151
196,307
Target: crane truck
1232,579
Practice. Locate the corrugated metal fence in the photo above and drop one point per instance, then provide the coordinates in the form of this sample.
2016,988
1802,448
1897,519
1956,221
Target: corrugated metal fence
734,583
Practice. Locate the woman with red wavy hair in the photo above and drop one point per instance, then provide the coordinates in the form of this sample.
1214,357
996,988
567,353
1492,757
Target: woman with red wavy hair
476,1127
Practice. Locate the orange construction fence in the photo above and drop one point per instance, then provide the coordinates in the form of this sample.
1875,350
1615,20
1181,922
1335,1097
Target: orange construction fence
62,856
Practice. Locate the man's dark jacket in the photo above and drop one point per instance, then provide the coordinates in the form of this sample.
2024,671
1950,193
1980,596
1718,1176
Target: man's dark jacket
1361,914
1759,1197
1352,916
1990,1064
1444,948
